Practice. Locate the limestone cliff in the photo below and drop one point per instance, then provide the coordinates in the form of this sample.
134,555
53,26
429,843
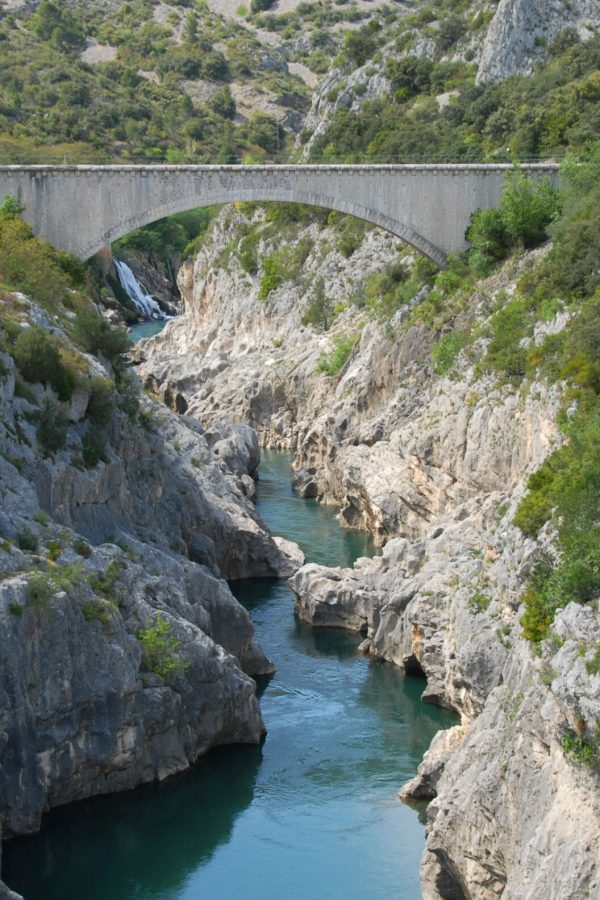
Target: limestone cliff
521,29
124,654
433,465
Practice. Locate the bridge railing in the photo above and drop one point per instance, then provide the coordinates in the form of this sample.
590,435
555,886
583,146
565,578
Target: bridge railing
381,159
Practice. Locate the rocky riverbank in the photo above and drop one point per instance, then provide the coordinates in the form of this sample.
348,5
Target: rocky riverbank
125,655
433,463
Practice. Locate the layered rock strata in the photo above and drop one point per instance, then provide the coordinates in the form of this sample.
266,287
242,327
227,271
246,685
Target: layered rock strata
434,467
124,655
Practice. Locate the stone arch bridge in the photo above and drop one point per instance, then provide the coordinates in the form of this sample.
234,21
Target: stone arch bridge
83,209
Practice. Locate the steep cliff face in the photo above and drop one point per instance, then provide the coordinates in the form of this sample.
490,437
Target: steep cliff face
515,815
521,29
124,654
433,465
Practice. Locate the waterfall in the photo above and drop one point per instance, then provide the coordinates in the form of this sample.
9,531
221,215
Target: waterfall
145,303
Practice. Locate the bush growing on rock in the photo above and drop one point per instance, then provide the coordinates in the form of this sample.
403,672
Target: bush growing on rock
160,649
98,337
26,539
101,403
332,363
52,425
38,360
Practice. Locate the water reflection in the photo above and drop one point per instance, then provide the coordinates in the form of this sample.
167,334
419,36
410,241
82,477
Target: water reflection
143,843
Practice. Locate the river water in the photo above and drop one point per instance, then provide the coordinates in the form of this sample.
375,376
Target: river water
312,814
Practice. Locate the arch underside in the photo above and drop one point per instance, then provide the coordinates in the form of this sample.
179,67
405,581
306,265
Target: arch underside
211,198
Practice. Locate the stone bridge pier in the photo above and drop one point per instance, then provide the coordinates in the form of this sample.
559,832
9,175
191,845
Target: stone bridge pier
83,209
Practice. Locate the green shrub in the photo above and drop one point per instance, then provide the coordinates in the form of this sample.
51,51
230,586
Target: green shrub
40,589
479,601
351,233
26,539
101,403
41,517
320,311
21,390
160,649
567,486
51,430
593,664
505,355
444,353
38,360
528,207
93,447
579,749
55,550
82,547
343,345
98,337
260,5
105,582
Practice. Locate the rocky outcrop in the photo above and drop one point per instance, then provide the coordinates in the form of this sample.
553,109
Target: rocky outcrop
123,653
437,606
517,814
90,706
521,29
434,467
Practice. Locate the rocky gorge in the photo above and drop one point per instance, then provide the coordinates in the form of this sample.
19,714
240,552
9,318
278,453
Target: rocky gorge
425,406
433,466
125,655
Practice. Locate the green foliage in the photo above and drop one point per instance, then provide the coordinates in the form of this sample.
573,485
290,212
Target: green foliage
41,517
567,486
479,601
166,238
51,430
36,354
161,649
444,353
332,363
489,240
504,353
30,265
284,264
320,311
361,43
98,337
384,293
82,547
529,116
40,589
11,207
105,582
351,233
102,401
593,665
527,208
260,5
56,105
42,586
579,749
26,539
59,27
93,447
55,550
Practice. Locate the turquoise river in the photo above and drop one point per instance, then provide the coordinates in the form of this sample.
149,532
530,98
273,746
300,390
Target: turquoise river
312,814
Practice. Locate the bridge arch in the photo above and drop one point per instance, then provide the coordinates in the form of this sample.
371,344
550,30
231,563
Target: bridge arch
339,204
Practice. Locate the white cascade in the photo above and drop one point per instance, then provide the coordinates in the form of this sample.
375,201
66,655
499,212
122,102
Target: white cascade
145,303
